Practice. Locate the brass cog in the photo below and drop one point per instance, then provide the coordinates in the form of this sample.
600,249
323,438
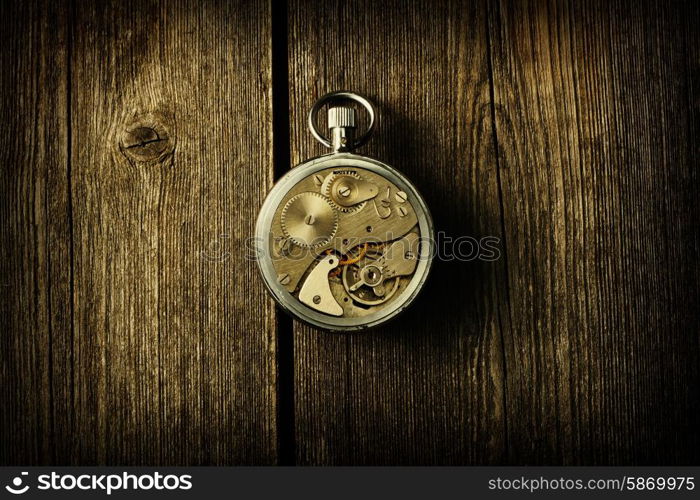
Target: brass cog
333,183
308,219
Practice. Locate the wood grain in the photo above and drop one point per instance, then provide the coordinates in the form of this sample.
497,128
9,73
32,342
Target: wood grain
164,140
428,388
171,367
596,111
584,337
34,234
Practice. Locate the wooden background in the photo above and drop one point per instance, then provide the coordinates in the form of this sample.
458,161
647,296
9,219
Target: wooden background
140,138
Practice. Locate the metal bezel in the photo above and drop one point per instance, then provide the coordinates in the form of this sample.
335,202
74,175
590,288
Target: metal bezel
262,242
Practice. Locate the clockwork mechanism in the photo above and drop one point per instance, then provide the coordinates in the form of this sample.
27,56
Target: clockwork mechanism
309,220
345,241
367,284
347,191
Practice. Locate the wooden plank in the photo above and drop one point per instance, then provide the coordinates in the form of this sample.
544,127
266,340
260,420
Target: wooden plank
596,117
428,388
35,385
171,157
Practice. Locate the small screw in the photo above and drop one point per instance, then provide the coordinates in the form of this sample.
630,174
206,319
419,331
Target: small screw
403,212
409,255
284,245
344,191
309,220
317,299
284,279
318,180
400,196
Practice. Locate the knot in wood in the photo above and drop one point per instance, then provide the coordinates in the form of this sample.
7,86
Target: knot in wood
145,142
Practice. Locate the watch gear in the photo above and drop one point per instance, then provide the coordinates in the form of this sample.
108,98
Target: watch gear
309,220
347,191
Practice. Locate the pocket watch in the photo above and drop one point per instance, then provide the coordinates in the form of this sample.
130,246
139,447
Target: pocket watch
344,242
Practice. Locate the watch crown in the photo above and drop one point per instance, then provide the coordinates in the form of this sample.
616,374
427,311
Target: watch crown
341,117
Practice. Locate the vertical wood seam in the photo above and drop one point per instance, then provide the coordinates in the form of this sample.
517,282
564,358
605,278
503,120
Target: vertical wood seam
286,448
492,98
